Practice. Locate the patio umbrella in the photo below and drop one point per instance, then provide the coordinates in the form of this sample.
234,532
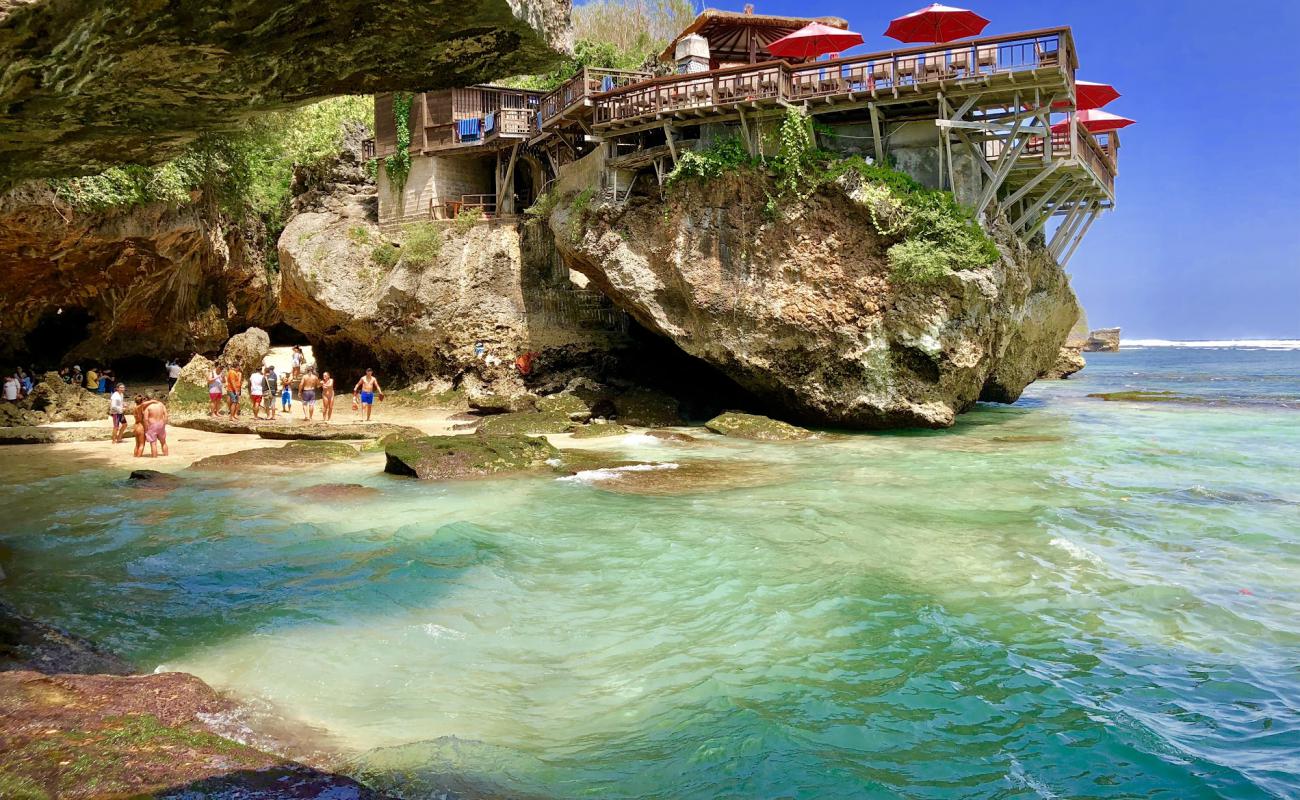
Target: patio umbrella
1089,95
936,23
1095,121
812,40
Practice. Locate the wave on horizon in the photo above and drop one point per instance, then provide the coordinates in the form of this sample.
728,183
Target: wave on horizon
1240,344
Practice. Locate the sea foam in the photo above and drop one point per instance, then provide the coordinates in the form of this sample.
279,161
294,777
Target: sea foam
1217,344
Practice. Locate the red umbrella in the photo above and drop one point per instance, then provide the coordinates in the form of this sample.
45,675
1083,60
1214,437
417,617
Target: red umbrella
1095,121
936,23
1089,95
812,40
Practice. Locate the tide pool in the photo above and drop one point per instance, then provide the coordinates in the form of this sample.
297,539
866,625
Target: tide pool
1062,598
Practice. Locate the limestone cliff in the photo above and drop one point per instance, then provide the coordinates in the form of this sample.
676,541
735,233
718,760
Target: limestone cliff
88,84
803,310
154,280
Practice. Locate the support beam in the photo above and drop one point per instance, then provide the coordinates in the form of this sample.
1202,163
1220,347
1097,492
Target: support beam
672,144
744,127
1033,210
506,201
875,133
1006,161
1033,183
1045,216
1066,229
1078,239
976,153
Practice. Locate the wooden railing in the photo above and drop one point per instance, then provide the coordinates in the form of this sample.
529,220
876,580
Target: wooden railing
868,74
443,208
588,82
367,149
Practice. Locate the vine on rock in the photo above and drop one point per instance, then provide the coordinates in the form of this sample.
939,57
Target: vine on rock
398,165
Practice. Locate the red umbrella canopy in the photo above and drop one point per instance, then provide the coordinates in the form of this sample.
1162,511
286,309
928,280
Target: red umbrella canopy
936,23
812,40
1089,95
1095,121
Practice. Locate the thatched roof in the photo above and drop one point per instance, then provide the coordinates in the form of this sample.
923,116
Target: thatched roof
728,32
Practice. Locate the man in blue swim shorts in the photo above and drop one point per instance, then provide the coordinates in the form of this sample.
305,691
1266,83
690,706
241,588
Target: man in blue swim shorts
366,389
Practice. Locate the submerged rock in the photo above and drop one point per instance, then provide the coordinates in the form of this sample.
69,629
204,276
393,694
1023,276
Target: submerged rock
526,422
29,644
154,479
599,430
293,455
673,478
805,311
339,492
447,457
1144,396
752,426
672,436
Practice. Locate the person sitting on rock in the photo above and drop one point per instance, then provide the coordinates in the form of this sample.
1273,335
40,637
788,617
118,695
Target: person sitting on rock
366,389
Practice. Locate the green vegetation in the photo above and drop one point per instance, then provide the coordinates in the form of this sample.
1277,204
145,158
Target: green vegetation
581,205
385,254
544,205
421,244
359,234
615,34
398,165
238,174
467,219
936,234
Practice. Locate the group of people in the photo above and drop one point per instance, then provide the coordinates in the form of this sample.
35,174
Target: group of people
266,387
150,417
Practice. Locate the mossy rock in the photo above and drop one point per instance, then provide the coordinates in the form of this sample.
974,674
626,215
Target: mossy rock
526,422
382,443
599,430
671,436
572,406
449,457
323,431
500,403
1143,396
647,409
292,455
758,428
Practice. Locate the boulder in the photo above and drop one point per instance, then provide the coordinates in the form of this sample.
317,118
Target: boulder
672,436
153,479
1102,340
324,431
572,406
30,434
488,403
804,311
190,394
62,402
647,408
752,426
294,455
246,350
29,644
527,422
1067,363
599,430
447,457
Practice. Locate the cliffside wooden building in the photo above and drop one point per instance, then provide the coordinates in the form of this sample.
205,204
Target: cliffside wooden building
991,118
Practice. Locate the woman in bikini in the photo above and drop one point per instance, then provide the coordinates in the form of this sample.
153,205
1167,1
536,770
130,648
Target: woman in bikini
326,397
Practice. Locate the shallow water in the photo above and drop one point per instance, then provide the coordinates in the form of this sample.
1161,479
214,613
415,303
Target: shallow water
1062,598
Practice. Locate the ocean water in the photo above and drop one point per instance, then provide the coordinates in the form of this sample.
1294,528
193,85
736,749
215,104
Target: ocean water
1064,598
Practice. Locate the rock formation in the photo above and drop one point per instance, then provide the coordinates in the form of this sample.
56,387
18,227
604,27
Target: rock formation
804,312
52,400
1068,361
92,83
152,280
246,350
447,457
1102,340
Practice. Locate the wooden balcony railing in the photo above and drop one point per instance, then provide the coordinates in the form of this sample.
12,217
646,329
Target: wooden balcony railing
445,208
867,74
588,82
367,149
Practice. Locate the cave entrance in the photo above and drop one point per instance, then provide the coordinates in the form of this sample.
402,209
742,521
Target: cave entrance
529,178
55,334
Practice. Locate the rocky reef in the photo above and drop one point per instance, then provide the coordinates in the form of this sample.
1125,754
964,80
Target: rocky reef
802,308
90,83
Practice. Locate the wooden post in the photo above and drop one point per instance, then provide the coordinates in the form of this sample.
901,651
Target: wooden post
875,134
1006,161
506,205
672,146
1078,239
1042,201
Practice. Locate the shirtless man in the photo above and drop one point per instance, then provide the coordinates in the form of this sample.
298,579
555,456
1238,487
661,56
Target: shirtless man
366,389
155,427
307,394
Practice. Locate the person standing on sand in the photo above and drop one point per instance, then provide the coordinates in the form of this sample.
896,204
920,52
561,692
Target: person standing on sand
326,397
154,414
286,394
117,412
215,389
234,384
307,394
173,374
272,389
298,359
137,431
366,389
256,383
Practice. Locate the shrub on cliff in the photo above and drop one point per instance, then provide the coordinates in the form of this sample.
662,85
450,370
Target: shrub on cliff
421,244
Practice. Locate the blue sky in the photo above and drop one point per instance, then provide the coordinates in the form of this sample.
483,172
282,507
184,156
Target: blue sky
1205,242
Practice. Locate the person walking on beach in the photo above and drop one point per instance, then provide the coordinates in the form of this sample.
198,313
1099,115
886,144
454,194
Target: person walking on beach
307,394
256,383
366,389
326,397
272,389
234,384
117,412
173,374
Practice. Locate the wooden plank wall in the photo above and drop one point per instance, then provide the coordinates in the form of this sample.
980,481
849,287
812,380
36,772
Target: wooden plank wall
385,130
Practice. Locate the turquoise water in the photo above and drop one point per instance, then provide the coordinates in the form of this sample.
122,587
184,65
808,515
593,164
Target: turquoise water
1064,598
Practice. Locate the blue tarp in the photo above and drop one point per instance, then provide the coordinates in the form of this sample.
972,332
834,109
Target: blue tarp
607,83
488,122
469,129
